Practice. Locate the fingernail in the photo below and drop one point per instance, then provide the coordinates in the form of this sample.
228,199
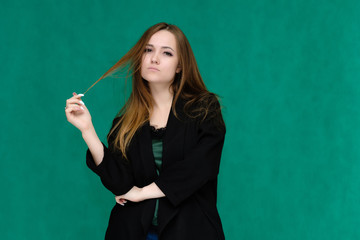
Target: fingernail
82,108
74,93
81,95
82,102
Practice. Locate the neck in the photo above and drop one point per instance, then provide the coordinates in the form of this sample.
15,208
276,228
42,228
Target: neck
162,95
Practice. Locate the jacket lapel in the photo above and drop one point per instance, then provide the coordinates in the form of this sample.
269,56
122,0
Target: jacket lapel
174,127
172,148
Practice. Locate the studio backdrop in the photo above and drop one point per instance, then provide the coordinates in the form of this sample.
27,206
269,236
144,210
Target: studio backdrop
288,76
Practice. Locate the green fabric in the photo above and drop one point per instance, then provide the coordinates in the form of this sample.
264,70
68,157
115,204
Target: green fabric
157,151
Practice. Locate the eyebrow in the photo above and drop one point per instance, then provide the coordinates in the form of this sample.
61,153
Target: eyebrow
150,45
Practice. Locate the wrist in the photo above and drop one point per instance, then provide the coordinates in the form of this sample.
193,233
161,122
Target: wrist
90,130
142,193
151,191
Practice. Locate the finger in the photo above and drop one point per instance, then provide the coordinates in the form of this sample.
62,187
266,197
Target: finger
73,109
74,101
119,202
120,199
78,95
76,105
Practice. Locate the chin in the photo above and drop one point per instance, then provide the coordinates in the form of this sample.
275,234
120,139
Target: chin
157,81
151,79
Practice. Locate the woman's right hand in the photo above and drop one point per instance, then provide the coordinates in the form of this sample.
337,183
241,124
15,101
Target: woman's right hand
77,113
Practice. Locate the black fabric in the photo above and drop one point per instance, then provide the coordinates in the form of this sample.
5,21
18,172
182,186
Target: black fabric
157,133
191,157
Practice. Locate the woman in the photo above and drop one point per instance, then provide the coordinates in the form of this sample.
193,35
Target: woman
164,146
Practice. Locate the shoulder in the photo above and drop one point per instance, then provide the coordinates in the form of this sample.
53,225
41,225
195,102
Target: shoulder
115,126
205,108
116,122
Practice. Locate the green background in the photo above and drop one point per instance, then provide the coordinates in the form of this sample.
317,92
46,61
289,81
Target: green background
288,74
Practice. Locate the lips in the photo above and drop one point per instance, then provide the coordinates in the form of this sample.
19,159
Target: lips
153,69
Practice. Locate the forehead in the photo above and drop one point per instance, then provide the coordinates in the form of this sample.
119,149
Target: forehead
163,38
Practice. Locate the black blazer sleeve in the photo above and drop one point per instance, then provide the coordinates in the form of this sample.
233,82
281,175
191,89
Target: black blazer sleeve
183,178
114,170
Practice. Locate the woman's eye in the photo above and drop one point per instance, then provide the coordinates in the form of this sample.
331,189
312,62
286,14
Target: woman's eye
168,54
148,49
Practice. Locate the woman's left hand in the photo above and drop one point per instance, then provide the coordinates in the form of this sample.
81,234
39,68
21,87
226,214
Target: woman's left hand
134,195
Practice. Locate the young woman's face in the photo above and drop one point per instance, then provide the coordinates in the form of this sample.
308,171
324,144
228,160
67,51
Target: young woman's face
160,60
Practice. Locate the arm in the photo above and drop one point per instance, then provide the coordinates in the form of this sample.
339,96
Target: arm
114,171
140,194
94,144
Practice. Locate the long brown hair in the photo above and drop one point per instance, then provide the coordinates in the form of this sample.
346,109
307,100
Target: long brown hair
187,84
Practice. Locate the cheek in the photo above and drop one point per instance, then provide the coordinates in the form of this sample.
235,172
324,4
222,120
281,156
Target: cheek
142,64
143,60
142,70
173,66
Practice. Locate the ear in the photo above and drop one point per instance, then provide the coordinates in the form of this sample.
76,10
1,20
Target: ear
178,69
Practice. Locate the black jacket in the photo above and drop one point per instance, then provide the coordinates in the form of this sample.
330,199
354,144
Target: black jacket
190,165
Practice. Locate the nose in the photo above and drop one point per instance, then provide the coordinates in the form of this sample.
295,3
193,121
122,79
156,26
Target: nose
154,58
